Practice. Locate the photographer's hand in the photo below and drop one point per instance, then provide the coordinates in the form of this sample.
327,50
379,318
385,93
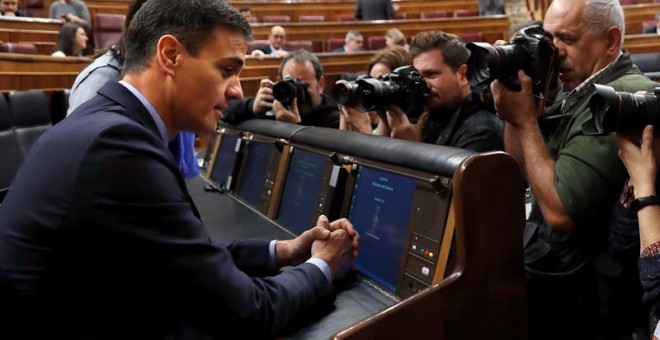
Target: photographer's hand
263,101
516,107
639,161
354,120
401,127
284,115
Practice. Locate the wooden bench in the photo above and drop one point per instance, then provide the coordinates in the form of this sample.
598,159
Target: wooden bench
492,28
331,9
636,15
642,43
29,72
26,72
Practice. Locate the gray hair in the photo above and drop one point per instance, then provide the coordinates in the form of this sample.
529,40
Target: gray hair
599,15
351,35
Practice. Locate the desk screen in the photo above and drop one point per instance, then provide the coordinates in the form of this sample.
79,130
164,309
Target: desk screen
302,188
225,160
255,171
379,210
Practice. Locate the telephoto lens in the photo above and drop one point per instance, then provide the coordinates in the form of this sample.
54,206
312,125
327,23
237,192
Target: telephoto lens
621,112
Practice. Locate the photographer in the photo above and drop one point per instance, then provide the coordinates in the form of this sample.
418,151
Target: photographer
319,110
642,220
455,116
573,177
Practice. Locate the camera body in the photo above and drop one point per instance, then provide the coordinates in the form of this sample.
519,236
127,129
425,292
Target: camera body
531,49
289,88
621,112
403,87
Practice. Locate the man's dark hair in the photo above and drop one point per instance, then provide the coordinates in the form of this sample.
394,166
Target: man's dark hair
452,47
301,56
192,22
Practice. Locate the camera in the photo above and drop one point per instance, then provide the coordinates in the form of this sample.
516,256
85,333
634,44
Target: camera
531,49
403,87
289,88
621,111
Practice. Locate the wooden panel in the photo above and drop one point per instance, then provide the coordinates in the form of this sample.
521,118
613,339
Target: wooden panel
492,28
27,72
642,43
636,14
330,9
31,23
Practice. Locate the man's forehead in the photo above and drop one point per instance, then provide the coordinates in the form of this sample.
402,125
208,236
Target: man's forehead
302,70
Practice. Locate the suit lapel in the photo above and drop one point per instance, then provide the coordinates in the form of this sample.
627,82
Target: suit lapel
135,111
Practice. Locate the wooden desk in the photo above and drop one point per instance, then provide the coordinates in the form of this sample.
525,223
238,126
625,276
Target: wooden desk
26,72
492,27
642,43
331,8
29,72
636,14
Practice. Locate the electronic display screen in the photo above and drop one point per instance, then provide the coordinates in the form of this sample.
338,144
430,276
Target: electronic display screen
225,160
254,171
379,211
301,190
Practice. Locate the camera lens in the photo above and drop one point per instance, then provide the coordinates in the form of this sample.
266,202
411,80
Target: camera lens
487,63
375,94
284,92
345,93
620,111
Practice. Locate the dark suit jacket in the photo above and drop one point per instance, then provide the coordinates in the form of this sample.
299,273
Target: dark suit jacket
99,238
268,49
374,10
339,49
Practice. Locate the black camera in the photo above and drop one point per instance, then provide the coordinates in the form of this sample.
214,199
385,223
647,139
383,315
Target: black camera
531,49
289,88
404,87
621,111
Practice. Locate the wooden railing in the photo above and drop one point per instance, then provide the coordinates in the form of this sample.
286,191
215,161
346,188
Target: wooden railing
26,72
492,28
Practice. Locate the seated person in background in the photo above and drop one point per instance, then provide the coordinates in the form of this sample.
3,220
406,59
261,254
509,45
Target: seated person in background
455,116
352,43
374,10
643,222
9,8
107,67
319,110
394,37
276,38
74,11
99,218
246,12
384,62
71,42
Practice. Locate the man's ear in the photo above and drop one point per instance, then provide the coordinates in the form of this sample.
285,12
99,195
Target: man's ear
321,84
462,74
614,38
168,50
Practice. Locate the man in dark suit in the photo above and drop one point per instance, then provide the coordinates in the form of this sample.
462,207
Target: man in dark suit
9,8
352,43
374,10
276,40
99,223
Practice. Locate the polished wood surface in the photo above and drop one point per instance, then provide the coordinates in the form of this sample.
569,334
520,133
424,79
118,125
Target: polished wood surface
635,16
484,297
28,72
492,28
642,43
331,9
25,72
